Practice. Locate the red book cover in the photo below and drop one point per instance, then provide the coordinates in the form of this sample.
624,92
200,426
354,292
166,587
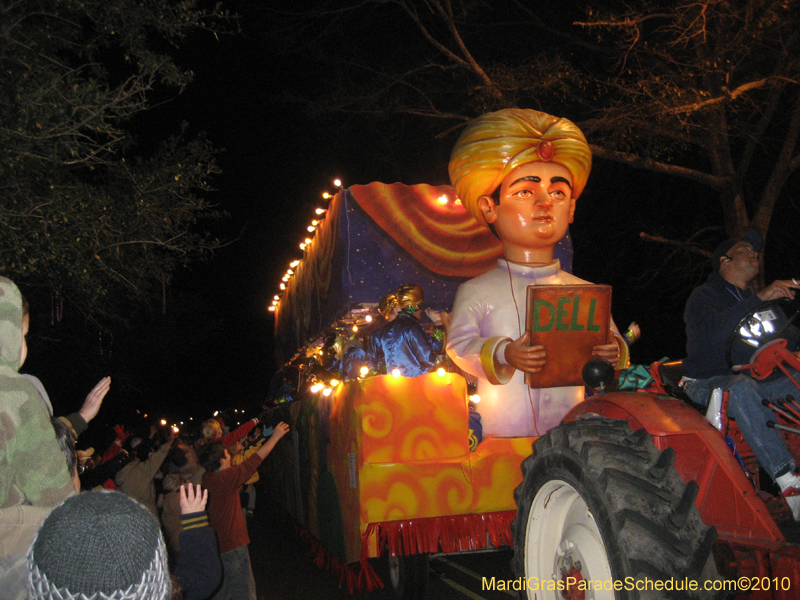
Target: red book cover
568,320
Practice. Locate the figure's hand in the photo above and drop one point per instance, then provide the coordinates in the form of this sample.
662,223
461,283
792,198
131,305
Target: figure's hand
434,315
529,359
637,331
192,500
91,406
281,429
780,288
608,352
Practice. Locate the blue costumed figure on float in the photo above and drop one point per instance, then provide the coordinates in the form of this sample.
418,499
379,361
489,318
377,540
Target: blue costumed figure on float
403,344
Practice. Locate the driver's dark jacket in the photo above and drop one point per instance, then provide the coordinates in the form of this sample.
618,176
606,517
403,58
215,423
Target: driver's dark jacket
711,314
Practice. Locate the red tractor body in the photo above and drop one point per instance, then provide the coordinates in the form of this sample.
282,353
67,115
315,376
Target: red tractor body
750,543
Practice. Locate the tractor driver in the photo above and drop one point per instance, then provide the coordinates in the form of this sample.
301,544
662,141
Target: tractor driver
711,314
519,173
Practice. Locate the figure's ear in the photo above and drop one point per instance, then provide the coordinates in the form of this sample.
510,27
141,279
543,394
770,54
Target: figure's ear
572,210
488,208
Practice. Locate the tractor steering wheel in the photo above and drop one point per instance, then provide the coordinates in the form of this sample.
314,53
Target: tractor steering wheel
765,324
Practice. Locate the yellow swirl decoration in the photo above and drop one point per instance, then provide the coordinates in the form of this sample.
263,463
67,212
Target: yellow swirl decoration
421,443
453,492
376,419
401,502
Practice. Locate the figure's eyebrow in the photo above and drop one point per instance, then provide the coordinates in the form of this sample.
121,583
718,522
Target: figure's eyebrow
534,178
558,179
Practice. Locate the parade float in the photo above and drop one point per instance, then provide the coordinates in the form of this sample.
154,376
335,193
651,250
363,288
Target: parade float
381,464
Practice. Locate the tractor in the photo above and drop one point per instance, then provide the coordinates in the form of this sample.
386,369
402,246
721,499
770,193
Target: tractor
638,495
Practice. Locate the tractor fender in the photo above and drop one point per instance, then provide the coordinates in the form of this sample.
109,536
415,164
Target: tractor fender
659,415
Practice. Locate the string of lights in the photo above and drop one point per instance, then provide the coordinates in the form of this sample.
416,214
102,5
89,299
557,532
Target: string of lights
304,246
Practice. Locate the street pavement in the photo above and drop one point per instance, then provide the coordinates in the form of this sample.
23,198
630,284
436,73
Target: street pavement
284,571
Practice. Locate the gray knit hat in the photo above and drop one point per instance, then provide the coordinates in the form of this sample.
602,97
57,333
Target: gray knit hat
99,546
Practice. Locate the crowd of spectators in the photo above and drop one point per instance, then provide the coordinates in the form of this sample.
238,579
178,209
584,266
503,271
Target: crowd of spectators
158,514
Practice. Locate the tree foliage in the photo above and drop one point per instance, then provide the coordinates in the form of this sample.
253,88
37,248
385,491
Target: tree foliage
85,211
705,90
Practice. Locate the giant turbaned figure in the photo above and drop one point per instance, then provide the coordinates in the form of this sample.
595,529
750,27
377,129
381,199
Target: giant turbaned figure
519,172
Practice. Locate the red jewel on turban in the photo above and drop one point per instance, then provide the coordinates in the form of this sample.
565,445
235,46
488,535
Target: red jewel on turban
546,150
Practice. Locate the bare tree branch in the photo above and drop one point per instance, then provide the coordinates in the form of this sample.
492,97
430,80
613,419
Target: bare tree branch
649,164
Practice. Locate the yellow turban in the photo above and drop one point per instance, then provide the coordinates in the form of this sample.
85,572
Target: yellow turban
496,143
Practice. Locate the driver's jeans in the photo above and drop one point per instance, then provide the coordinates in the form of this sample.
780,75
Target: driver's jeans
744,405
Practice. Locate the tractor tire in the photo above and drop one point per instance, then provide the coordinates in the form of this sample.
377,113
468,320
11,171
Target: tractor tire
600,502
409,576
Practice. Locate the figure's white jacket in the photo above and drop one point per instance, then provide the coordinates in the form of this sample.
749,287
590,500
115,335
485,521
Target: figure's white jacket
489,311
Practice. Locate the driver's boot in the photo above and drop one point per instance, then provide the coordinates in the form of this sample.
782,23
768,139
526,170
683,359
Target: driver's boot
790,488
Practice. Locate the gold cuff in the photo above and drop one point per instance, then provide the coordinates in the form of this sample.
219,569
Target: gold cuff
624,352
496,374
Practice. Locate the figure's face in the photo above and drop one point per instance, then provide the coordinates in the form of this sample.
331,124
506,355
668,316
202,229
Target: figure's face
743,260
535,210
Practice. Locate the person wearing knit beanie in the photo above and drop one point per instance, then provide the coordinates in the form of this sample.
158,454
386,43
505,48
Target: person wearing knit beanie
99,545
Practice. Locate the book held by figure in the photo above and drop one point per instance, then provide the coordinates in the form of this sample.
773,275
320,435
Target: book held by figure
568,320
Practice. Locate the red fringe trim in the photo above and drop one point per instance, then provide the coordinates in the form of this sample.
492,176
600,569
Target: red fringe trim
442,534
358,576
431,535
